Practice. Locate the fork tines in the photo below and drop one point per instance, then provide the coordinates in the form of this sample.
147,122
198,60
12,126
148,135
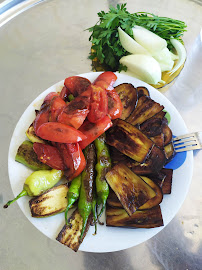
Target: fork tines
187,142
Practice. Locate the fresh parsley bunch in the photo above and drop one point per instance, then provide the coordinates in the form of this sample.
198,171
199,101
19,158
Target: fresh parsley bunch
106,47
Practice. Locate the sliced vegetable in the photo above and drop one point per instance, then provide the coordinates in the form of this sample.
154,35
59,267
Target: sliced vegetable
140,219
94,130
115,106
145,67
51,202
26,155
49,155
106,80
73,159
76,111
142,91
58,132
76,85
145,109
147,39
128,95
99,104
167,183
181,52
64,93
41,118
130,189
131,45
56,106
155,200
164,59
31,135
70,235
114,201
129,140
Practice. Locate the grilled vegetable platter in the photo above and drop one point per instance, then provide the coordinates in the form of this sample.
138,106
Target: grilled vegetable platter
87,162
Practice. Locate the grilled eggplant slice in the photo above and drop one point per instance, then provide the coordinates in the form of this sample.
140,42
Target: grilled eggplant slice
142,91
169,152
167,134
50,203
155,200
150,218
113,200
154,162
158,140
167,183
70,234
145,109
129,140
128,95
153,126
130,189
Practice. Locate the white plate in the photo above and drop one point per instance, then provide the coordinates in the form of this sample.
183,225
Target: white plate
108,239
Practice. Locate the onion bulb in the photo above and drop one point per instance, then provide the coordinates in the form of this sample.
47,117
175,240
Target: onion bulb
129,44
144,67
150,41
181,52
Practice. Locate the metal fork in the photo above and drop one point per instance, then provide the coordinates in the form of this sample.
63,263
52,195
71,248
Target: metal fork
187,142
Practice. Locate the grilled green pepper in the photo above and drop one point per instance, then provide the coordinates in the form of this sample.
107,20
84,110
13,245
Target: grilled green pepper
102,167
73,194
37,183
86,191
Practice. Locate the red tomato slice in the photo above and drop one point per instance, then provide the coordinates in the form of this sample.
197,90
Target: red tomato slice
41,118
64,93
58,132
106,80
76,85
50,96
115,106
73,159
76,111
57,105
94,130
49,155
98,105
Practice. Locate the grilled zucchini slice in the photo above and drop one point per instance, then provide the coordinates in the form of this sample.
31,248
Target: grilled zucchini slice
150,218
50,203
130,189
70,234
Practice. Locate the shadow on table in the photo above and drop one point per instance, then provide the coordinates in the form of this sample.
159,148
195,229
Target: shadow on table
175,249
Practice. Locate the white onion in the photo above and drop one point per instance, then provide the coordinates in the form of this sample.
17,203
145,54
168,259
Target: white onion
129,44
164,59
181,52
150,41
144,67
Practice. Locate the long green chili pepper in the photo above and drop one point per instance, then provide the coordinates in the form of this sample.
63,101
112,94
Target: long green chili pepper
73,194
102,167
94,210
86,191
37,183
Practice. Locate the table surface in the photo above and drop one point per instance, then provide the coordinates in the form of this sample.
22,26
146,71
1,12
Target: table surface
42,46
